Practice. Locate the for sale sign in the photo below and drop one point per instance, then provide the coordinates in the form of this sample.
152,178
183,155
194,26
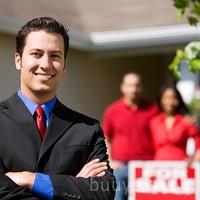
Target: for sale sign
164,181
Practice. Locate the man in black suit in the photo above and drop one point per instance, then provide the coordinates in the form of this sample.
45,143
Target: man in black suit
48,151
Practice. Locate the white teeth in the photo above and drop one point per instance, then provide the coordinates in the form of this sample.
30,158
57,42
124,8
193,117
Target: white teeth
44,75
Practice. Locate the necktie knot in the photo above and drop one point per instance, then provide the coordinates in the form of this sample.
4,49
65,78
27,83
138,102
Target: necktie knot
39,111
39,118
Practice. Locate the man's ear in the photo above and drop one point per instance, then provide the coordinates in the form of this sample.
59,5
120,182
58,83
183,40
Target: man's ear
18,61
65,66
64,70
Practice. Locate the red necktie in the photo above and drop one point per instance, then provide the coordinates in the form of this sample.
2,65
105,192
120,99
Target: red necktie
39,118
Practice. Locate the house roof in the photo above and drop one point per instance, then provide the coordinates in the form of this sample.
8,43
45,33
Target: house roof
97,25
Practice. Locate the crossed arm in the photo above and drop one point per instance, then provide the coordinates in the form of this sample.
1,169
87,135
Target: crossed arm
26,179
94,181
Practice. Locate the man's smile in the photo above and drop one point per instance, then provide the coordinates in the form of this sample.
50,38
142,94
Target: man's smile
44,75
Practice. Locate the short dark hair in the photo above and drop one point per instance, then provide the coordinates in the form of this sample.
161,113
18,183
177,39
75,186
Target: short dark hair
48,24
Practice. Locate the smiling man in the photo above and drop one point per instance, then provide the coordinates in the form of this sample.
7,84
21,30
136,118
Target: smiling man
48,151
41,64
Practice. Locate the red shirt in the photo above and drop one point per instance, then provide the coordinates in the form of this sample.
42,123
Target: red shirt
170,144
129,130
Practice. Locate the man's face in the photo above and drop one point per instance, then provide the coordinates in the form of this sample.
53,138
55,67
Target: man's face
131,87
41,64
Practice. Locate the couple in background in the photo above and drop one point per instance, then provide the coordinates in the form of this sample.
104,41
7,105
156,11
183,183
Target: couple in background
138,129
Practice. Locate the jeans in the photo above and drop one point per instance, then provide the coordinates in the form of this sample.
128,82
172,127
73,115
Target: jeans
121,176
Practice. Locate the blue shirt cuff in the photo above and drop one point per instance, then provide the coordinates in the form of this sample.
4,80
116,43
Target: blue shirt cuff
42,186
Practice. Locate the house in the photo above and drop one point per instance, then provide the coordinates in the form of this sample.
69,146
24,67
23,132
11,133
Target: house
107,39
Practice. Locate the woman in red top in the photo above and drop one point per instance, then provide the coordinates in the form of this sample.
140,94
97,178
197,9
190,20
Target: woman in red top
172,127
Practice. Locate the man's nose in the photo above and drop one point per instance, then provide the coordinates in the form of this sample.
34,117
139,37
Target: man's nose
45,62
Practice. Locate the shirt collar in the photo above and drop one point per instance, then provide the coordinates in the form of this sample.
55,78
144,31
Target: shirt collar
143,104
127,106
32,106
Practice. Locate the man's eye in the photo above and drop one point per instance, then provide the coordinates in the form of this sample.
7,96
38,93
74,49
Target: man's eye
36,54
55,56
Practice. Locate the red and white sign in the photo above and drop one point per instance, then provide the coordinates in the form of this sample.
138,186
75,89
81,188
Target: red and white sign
163,180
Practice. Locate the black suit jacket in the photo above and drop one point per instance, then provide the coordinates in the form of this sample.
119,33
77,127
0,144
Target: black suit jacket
72,140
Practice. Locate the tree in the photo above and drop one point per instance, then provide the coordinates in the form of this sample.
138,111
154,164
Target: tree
188,8
191,53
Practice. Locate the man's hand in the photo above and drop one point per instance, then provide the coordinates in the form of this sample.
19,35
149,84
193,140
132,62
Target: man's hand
24,179
93,168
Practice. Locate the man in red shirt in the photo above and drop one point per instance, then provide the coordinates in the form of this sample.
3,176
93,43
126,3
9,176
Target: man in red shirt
126,127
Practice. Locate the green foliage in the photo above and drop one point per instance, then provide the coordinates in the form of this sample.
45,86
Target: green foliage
191,55
188,8
174,66
181,4
194,107
192,21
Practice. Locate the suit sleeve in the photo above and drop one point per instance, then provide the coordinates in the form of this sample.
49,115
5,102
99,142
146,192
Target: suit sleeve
93,188
11,191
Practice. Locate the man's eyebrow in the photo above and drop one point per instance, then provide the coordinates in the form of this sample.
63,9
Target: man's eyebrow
57,51
35,49
53,51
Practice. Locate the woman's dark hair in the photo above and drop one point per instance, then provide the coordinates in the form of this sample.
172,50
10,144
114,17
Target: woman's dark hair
47,24
181,108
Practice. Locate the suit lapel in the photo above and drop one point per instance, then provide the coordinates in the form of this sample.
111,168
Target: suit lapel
61,120
20,115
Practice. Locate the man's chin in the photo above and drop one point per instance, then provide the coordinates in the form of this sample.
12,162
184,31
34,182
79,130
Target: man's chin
134,98
43,91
